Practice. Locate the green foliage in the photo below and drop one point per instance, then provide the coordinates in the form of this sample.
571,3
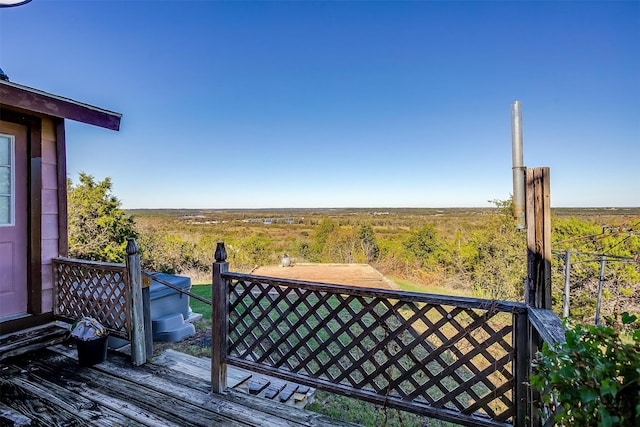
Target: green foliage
320,236
594,377
368,242
621,280
253,251
340,246
472,250
98,227
496,257
166,253
423,244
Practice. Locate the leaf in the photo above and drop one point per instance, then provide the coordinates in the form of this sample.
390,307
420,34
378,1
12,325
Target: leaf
588,394
609,387
606,419
628,319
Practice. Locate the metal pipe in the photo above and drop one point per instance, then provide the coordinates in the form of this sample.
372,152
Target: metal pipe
567,275
600,283
518,166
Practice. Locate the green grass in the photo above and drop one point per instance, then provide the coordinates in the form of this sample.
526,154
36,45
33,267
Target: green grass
204,290
409,286
198,306
367,414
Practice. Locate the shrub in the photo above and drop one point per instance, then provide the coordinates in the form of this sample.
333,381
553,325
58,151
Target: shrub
592,379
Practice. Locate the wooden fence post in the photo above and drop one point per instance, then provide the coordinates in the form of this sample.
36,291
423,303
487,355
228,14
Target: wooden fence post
521,368
138,345
538,291
219,321
538,285
148,325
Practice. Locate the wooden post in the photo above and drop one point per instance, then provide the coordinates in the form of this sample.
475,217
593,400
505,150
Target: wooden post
538,284
219,321
138,346
521,366
148,325
538,290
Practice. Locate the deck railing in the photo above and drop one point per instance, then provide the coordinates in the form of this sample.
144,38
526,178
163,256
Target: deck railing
111,293
463,360
93,289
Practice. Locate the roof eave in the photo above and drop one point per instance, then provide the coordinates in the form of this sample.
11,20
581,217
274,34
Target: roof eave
27,98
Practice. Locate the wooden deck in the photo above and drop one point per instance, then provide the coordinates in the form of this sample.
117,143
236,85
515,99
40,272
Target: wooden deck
13,345
48,388
239,379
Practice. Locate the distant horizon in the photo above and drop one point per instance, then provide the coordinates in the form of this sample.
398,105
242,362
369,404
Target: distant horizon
374,207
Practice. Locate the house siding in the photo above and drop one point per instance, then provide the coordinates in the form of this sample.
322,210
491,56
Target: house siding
50,214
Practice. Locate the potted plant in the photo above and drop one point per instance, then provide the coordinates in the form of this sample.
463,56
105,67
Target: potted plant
91,341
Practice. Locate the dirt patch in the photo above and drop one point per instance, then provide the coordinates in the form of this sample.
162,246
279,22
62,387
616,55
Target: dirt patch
362,275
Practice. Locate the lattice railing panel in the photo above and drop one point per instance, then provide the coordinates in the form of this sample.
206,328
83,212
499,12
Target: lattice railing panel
385,346
92,289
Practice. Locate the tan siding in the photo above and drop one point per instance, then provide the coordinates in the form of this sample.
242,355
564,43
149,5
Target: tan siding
49,201
48,130
49,210
47,273
50,227
49,250
49,176
49,151
47,300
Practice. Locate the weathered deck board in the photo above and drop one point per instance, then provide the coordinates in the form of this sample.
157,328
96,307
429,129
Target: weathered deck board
199,367
36,404
49,388
287,392
256,385
237,378
274,388
31,339
10,417
142,404
56,396
185,389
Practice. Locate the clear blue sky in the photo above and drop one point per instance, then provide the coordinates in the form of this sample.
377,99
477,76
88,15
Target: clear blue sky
340,104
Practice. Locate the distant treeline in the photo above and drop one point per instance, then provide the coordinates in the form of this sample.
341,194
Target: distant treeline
463,248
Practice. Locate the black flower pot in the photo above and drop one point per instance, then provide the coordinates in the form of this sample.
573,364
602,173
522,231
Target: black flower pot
92,352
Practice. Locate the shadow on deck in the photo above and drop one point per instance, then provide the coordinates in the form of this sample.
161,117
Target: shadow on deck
48,387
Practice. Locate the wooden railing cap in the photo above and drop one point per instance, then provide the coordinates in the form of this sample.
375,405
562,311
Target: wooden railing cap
132,247
221,252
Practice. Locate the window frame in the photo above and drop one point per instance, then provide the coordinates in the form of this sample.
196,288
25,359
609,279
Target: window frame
12,177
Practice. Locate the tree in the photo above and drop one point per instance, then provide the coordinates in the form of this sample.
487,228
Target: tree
423,243
340,246
368,242
321,234
497,256
98,227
